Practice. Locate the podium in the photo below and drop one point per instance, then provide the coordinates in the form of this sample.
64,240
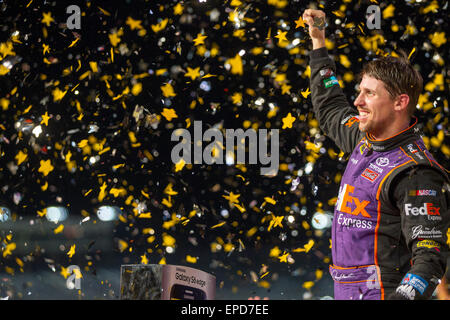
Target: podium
165,282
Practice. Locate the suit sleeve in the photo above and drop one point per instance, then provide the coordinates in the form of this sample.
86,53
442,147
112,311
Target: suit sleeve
422,196
337,118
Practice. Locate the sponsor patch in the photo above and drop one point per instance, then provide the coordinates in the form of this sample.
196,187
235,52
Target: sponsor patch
331,81
427,209
422,192
382,161
416,282
427,244
376,168
351,121
370,175
345,198
424,232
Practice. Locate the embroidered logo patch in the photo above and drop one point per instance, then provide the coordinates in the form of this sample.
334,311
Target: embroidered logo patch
331,81
416,282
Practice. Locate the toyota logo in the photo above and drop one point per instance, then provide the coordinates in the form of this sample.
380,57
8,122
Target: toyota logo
382,162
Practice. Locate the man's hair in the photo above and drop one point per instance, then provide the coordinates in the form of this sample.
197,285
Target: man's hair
398,76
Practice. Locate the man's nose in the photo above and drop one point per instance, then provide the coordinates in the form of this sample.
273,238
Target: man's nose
358,101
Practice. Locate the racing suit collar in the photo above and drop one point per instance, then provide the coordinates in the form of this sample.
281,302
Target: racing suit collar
409,134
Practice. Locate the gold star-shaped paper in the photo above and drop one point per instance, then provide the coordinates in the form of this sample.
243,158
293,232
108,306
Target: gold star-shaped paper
114,39
64,272
102,193
133,24
160,26
274,252
306,247
284,257
180,165
71,251
275,222
178,9
45,118
285,88
167,90
299,23
236,64
169,114
281,36
232,198
236,98
45,48
438,39
193,73
306,93
144,259
47,18
200,39
288,121
58,94
45,167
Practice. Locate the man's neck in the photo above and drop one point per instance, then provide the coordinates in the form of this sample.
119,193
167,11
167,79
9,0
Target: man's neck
391,131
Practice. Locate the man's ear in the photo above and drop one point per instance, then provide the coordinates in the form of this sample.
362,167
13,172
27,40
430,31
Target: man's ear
401,102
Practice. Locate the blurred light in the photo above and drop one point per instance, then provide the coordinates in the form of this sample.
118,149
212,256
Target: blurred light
309,167
5,214
169,250
321,221
225,213
205,86
291,219
56,214
108,213
242,52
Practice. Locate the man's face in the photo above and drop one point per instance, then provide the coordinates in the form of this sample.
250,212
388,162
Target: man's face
375,106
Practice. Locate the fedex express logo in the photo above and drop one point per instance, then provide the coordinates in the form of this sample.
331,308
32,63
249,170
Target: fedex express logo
346,198
428,209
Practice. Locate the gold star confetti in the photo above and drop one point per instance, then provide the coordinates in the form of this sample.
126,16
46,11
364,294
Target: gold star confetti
45,118
178,9
232,198
45,167
169,114
133,24
281,36
236,65
299,23
167,90
200,39
71,251
21,157
288,121
64,272
193,73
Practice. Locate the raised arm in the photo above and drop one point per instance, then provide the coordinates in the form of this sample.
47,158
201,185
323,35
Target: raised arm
336,117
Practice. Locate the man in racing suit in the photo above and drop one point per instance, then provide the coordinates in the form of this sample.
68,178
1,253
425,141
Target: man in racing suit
389,233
